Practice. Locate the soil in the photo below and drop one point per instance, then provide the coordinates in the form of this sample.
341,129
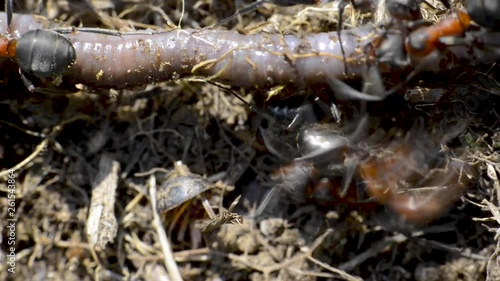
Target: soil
89,161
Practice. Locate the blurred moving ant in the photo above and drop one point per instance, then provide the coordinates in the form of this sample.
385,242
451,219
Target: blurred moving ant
409,175
440,180
42,53
327,147
387,173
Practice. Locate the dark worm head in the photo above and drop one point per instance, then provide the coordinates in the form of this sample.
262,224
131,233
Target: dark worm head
44,53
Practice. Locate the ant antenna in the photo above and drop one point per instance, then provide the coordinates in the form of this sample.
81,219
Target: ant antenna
9,10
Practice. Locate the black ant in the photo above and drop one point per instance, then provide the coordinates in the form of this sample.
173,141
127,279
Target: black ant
42,53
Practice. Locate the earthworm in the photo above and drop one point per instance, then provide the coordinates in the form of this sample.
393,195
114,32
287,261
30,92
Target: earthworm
122,60
23,23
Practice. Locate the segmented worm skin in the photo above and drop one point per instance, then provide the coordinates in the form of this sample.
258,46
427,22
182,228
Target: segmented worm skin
23,23
259,60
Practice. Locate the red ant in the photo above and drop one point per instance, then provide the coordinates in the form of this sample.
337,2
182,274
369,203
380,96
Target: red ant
425,40
329,154
382,176
388,50
398,47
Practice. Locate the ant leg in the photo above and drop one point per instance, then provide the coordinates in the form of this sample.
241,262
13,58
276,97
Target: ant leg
331,110
334,110
350,165
252,7
450,41
34,89
342,91
446,4
304,114
342,5
373,84
276,146
308,114
27,82
361,130
408,78
419,23
9,9
294,179
351,162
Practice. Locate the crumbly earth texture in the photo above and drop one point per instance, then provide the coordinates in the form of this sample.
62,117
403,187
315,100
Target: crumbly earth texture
89,158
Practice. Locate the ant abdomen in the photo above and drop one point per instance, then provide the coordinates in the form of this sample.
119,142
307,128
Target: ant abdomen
44,53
